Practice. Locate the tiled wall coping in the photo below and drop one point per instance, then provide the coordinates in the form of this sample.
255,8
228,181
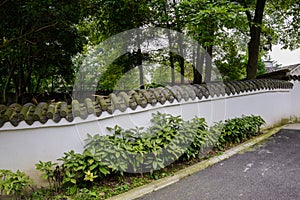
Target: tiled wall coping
29,115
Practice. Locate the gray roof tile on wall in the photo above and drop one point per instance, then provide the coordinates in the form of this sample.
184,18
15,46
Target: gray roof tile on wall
56,111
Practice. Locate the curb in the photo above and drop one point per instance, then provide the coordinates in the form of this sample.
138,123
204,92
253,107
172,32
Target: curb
164,182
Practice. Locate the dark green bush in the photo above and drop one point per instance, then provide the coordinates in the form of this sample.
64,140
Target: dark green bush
238,129
80,170
203,139
14,183
137,150
77,170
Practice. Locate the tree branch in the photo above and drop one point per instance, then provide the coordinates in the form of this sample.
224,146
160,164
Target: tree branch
249,17
4,2
30,32
278,10
48,26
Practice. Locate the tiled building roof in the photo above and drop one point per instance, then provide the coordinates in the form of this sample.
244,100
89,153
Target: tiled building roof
292,67
289,67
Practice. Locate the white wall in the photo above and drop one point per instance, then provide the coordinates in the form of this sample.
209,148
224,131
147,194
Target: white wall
295,99
23,146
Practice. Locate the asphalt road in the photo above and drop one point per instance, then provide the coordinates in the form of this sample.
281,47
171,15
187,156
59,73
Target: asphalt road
271,170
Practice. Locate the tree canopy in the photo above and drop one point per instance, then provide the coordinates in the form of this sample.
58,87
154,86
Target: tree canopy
37,41
40,39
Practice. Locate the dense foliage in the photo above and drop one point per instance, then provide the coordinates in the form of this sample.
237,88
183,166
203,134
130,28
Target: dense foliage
238,129
14,183
39,39
141,151
129,150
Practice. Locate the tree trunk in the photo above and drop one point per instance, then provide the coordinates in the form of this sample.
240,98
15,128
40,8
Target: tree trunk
254,44
178,27
181,64
17,92
171,58
12,69
198,69
141,70
30,70
208,64
181,60
52,83
39,82
209,49
140,63
195,72
22,83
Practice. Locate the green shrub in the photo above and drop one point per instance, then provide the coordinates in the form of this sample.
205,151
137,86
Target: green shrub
202,139
50,173
238,129
80,170
137,150
14,184
77,170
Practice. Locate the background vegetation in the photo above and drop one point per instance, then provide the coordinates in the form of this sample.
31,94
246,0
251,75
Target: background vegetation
42,42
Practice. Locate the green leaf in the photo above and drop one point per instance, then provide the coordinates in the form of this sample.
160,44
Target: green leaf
73,181
90,161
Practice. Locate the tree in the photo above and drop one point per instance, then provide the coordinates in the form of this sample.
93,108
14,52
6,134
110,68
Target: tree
282,22
109,18
255,25
277,22
37,41
208,22
259,22
166,14
232,65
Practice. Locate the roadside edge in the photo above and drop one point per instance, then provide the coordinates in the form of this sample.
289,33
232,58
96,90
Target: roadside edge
164,182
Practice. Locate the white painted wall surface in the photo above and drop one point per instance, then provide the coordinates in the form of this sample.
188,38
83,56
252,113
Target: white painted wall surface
23,146
295,99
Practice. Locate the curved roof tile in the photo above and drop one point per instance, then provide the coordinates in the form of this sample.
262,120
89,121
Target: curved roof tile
15,113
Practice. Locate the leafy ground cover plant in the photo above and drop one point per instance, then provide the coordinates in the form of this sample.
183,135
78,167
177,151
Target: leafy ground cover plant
238,129
203,139
100,171
77,171
14,183
139,151
51,174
